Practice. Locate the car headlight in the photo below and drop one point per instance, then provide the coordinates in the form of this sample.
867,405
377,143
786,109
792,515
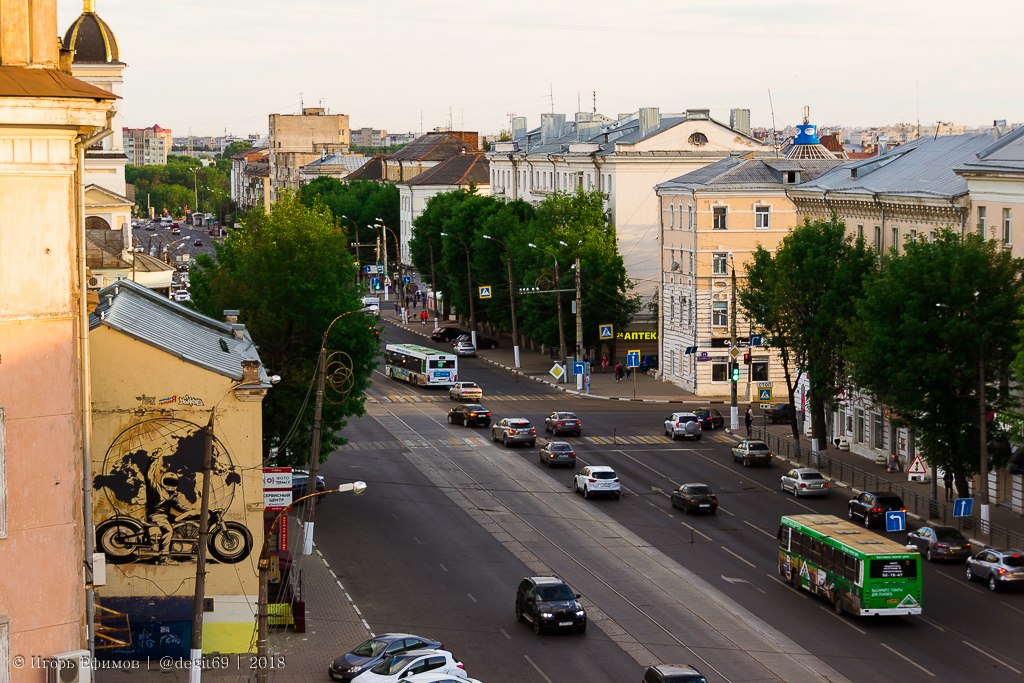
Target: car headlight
546,615
355,669
580,613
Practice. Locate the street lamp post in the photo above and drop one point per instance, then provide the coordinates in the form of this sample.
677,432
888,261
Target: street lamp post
433,283
558,295
511,300
469,280
355,236
734,411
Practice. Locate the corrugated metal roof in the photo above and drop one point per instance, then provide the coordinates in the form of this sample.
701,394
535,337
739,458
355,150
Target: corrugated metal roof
371,170
349,161
436,146
149,317
1004,155
461,170
20,81
748,172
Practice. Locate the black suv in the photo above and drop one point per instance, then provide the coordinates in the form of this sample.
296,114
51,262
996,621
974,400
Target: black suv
672,673
447,334
780,414
871,506
547,602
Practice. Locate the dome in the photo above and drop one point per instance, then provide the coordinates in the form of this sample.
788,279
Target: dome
91,39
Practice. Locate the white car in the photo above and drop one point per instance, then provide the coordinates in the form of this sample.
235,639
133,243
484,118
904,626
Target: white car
597,480
439,678
466,391
181,295
403,665
804,481
685,425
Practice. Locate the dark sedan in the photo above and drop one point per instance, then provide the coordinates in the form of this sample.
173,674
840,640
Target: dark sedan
781,413
446,334
373,651
940,543
695,498
469,414
557,453
871,507
563,423
710,418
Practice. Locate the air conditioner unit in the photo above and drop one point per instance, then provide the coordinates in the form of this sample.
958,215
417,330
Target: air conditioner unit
69,667
94,281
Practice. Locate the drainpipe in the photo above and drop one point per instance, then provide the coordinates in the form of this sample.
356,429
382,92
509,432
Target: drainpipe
85,379
881,212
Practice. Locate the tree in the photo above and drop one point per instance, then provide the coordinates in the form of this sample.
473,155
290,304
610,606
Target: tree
935,315
356,205
290,274
233,148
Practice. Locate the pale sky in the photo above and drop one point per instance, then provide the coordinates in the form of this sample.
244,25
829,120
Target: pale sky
215,65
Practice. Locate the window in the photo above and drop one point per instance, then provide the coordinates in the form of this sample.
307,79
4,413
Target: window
877,434
759,371
858,433
5,651
689,222
719,313
719,371
672,217
720,264
860,232
896,239
684,311
982,215
762,217
698,139
718,218
672,308
1007,226
878,238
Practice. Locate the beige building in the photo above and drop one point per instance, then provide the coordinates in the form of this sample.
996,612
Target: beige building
250,178
47,121
368,137
297,139
147,146
160,373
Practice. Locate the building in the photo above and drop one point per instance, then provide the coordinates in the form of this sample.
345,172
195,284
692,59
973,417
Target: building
250,177
47,121
624,159
337,166
147,146
739,119
161,374
297,139
368,137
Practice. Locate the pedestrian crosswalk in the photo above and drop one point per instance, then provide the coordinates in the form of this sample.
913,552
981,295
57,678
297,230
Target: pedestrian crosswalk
477,441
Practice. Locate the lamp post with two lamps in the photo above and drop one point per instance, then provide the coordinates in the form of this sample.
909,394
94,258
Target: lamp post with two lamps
469,280
511,299
558,295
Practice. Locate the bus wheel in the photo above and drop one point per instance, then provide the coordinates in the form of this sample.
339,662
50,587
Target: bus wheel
837,604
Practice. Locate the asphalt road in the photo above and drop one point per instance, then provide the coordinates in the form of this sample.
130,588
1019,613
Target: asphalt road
450,522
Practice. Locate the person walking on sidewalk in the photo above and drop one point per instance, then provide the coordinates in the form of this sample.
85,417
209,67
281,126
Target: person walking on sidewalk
947,481
618,372
423,317
604,363
748,419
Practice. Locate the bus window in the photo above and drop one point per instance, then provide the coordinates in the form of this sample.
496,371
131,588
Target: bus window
444,364
783,537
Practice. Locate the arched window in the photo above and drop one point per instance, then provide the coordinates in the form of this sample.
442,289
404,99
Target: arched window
698,139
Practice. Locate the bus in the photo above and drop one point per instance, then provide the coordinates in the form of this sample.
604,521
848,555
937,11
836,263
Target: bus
420,365
857,570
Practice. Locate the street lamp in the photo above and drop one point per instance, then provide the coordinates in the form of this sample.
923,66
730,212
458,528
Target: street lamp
558,295
355,236
469,280
734,411
399,286
511,300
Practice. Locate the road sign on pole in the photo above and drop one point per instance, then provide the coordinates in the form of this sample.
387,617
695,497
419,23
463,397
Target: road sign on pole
485,292
895,520
633,359
963,507
557,371
764,395
606,331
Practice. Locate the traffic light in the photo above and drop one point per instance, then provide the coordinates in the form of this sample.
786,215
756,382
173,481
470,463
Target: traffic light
735,372
746,358
375,330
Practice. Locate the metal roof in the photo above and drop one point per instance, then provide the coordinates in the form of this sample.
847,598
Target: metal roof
459,170
1004,155
348,161
747,172
151,318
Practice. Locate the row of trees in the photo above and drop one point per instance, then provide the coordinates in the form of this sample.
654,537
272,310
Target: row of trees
174,186
924,331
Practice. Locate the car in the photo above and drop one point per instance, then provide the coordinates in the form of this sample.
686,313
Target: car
710,418
184,266
558,453
150,227
300,483
373,309
175,231
685,425
648,361
1000,568
433,677
464,349
595,480
939,542
695,498
673,673
469,414
512,430
560,422
752,452
482,342
370,653
780,413
547,602
465,391
174,224
870,507
401,666
197,243
804,481
181,295
447,334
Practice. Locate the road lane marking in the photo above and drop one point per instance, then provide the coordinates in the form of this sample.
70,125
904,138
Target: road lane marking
932,623
1015,609
537,668
965,584
470,596
741,559
505,633
992,657
696,531
908,660
722,509
757,528
443,568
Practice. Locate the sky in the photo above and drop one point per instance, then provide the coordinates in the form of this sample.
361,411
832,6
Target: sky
215,66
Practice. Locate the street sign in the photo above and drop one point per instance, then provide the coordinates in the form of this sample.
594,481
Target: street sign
764,395
485,292
369,269
606,331
703,356
895,520
406,279
734,351
963,507
387,282
756,340
766,406
556,371
579,368
277,487
690,350
375,282
633,359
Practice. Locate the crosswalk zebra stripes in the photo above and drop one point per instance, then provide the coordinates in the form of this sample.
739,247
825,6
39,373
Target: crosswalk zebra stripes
478,441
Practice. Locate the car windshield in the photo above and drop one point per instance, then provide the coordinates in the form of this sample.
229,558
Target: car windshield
369,648
951,535
473,407
565,416
519,425
701,413
393,665
757,446
686,418
602,474
699,490
552,593
469,385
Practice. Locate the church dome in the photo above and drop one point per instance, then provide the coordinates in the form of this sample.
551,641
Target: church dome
91,39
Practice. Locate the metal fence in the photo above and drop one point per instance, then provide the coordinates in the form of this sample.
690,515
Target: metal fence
923,506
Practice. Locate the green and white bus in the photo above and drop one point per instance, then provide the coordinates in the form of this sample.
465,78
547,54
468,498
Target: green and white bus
420,365
857,570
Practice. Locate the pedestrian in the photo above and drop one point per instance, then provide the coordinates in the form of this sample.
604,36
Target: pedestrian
586,382
748,420
604,363
398,309
894,463
629,372
947,480
618,372
423,317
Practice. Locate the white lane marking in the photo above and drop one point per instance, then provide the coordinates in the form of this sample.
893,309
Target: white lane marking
505,633
842,620
908,660
1015,609
932,623
757,528
965,584
741,559
694,530
470,596
781,582
443,568
722,509
537,668
992,657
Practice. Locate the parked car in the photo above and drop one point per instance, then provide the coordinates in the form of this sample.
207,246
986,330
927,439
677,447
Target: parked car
181,295
464,349
804,481
175,231
710,418
1000,568
482,342
433,677
547,602
447,334
465,391
937,542
685,425
197,243
695,498
300,484
870,507
469,414
562,423
512,430
673,673
558,453
780,413
648,361
752,452
401,666
370,653
595,480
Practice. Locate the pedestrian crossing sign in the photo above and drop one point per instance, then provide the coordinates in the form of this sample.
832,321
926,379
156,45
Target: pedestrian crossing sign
485,292
606,331
764,395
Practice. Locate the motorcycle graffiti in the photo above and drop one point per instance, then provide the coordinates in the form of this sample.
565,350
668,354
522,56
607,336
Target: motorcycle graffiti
126,539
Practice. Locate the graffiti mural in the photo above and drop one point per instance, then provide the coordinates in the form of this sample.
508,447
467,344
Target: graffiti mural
152,481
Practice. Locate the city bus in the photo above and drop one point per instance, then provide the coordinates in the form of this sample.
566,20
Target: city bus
856,570
420,365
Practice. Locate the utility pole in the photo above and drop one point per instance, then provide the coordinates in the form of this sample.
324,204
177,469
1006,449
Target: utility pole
983,442
579,310
195,671
734,414
511,300
433,283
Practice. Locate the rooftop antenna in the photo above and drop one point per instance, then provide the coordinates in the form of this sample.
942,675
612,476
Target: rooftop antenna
421,122
775,140
594,95
302,103
551,95
449,117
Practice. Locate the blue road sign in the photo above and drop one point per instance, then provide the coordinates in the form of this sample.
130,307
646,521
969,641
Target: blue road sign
406,279
963,507
764,395
632,359
895,520
375,282
485,292
756,340
690,350
606,331
369,269
579,368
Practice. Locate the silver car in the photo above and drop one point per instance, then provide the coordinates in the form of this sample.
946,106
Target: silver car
805,481
512,430
685,425
1000,568
464,348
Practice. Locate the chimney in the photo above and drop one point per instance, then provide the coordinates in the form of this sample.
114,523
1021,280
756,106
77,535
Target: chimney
650,120
237,330
551,126
999,128
518,127
250,371
231,316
